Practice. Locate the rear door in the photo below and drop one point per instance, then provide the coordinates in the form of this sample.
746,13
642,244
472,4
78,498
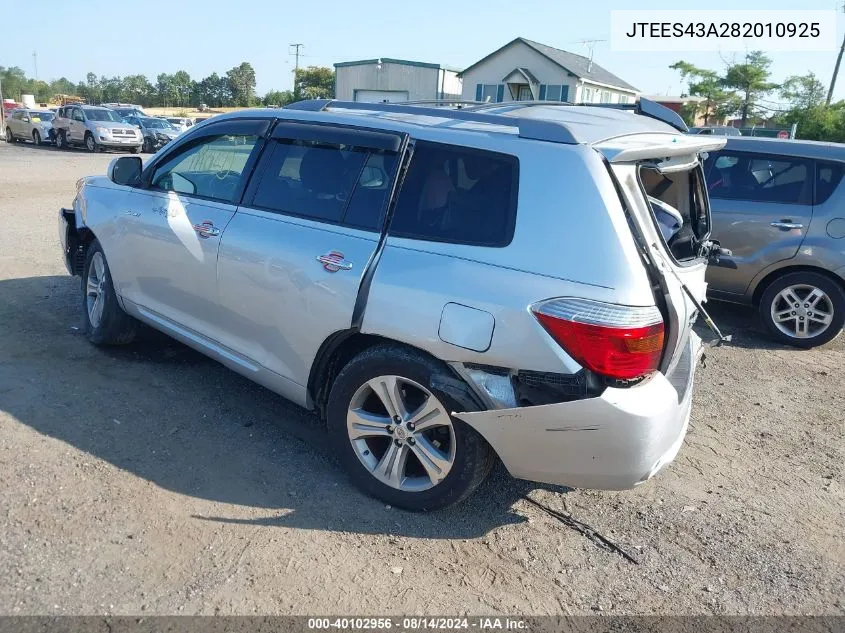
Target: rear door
762,207
665,168
76,126
172,224
293,258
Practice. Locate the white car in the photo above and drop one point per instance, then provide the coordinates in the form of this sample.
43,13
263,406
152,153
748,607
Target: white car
181,123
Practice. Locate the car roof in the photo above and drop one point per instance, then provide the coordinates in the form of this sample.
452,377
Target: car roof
787,147
574,123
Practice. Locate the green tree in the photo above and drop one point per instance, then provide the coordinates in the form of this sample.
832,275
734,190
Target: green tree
14,81
182,87
112,89
242,83
803,91
707,84
751,80
314,82
277,98
138,89
166,88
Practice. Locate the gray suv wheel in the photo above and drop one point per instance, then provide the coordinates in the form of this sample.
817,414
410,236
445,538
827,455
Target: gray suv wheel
803,309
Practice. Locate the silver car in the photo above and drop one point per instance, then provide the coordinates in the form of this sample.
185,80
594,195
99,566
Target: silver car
157,132
95,128
29,125
443,286
779,207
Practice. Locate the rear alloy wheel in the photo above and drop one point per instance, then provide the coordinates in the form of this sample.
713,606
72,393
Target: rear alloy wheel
36,137
803,309
90,143
10,138
61,140
394,433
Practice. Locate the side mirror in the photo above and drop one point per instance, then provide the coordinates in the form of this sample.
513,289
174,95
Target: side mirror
26,119
125,170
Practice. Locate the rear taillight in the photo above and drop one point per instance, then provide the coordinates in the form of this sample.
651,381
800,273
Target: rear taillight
621,342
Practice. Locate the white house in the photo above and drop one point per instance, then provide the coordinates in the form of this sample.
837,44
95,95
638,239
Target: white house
385,79
523,70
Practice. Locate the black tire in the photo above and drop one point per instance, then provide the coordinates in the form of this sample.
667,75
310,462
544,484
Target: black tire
134,150
474,458
832,289
147,147
36,137
61,140
91,143
115,327
10,138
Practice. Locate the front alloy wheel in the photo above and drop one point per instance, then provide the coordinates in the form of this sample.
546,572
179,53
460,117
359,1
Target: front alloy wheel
10,138
401,433
803,309
90,143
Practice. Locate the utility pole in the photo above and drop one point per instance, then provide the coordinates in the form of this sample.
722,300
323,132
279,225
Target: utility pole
296,71
2,110
35,63
835,68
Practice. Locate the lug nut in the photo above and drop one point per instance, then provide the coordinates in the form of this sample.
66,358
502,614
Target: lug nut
796,305
411,441
793,314
398,442
397,419
411,426
800,318
806,305
390,428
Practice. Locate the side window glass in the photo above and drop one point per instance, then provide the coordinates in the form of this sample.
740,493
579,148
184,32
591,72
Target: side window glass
369,200
77,115
760,178
312,179
210,168
457,194
828,177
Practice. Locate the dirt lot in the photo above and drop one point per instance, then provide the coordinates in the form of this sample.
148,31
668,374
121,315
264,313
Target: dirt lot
149,479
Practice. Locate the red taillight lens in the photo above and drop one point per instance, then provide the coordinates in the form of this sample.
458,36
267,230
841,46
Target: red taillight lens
621,342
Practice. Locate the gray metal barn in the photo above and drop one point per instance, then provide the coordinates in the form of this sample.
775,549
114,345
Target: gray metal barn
392,80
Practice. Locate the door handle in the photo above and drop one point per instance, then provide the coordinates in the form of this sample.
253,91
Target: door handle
206,229
786,225
334,261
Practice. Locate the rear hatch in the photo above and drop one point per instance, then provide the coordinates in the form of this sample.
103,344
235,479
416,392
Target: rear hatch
661,184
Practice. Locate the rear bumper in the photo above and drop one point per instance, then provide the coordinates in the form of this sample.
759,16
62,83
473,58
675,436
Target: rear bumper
612,442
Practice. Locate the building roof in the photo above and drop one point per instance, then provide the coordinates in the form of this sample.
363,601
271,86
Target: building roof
390,60
575,64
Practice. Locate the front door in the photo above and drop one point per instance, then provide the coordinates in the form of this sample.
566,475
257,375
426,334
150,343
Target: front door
76,129
174,222
293,258
761,207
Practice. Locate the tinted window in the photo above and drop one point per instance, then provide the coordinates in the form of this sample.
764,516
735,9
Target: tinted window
828,176
457,194
737,176
336,183
210,168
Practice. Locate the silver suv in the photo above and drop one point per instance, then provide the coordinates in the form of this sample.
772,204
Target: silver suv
779,207
95,128
443,286
29,125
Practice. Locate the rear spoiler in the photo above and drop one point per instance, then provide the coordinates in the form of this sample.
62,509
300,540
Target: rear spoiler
657,147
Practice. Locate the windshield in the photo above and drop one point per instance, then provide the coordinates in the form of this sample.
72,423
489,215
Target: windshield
43,116
101,114
158,124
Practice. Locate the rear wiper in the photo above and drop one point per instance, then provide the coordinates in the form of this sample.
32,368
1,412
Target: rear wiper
720,338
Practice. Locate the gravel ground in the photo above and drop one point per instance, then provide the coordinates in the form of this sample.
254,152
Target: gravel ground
149,479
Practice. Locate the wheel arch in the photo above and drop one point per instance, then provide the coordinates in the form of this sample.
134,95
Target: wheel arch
79,238
770,277
341,347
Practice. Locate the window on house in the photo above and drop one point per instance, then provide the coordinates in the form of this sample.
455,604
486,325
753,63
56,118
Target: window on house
605,96
587,96
623,98
489,92
556,92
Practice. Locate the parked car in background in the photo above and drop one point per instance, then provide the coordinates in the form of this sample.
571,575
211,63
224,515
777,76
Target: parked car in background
95,128
779,207
718,130
548,311
125,109
182,124
30,125
157,132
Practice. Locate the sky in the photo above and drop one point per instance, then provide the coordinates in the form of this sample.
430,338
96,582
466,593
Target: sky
204,36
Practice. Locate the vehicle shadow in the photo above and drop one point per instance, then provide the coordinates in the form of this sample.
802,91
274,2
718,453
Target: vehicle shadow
169,415
741,322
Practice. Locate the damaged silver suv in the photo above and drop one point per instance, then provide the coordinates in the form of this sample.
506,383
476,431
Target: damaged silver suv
444,286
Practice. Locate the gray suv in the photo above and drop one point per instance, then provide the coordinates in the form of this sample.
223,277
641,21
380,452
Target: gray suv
95,128
779,208
443,286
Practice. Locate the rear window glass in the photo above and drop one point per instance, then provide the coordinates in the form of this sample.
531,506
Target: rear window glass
759,178
457,194
828,176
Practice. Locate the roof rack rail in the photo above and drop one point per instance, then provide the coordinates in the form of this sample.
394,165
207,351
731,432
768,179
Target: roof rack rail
536,129
459,103
645,107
